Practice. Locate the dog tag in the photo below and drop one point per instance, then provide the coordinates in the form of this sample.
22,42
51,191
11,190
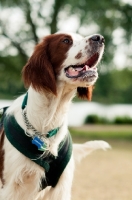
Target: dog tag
39,143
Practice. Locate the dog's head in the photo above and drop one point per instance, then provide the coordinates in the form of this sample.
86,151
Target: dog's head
65,57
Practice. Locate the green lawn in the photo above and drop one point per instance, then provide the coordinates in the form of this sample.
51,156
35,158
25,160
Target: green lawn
114,132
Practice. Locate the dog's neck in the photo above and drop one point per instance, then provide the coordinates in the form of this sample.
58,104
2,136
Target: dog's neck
47,111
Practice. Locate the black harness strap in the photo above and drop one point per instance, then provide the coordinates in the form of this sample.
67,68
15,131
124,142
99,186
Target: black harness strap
58,165
53,166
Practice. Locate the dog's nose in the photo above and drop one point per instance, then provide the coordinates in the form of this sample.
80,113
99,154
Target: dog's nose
98,38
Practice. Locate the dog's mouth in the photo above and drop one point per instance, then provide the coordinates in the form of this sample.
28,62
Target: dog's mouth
76,71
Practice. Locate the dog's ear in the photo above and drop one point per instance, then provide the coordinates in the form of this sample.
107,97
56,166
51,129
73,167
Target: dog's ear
85,92
38,71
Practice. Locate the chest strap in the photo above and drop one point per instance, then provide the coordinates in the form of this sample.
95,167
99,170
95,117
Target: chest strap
53,166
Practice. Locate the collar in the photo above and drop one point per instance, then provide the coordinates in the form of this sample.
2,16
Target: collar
37,138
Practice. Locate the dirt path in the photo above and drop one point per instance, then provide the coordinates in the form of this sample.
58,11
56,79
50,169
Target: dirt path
105,175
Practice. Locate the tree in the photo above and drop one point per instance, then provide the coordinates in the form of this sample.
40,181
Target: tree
114,87
36,18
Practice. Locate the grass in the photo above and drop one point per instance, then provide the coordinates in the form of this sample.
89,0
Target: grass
104,175
109,132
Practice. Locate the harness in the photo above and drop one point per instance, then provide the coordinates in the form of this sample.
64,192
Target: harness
53,166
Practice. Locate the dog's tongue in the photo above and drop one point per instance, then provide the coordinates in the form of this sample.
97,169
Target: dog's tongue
74,71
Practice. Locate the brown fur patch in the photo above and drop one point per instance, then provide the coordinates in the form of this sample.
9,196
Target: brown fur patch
85,92
44,65
79,55
2,135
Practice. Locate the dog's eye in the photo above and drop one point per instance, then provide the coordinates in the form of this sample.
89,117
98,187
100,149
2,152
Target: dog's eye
67,41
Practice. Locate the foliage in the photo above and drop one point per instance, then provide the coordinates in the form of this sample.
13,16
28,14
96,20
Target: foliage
114,87
95,119
10,83
36,18
122,120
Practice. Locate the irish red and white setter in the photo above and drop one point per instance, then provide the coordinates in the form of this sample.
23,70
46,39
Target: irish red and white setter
61,66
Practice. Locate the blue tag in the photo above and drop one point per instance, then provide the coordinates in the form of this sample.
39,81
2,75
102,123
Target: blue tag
39,143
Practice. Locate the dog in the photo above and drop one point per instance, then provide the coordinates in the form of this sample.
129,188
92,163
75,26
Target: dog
37,158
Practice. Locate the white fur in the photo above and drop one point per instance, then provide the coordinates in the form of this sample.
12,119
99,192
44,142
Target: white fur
46,112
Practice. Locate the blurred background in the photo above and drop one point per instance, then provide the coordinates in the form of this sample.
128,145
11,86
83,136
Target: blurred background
109,116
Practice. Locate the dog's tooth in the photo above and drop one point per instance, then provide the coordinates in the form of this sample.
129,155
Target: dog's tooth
86,67
71,69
